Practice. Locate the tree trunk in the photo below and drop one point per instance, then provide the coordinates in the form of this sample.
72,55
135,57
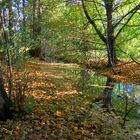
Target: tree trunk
23,12
5,103
36,28
111,53
110,40
34,18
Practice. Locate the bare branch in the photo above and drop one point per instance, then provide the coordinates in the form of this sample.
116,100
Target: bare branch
99,15
129,56
121,5
134,10
124,25
93,23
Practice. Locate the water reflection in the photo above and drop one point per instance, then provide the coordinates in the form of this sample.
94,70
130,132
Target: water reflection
123,99
107,94
103,92
131,90
101,87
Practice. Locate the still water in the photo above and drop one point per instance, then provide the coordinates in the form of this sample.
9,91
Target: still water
103,92
123,99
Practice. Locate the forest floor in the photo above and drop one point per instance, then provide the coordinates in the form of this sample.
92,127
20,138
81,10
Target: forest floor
126,72
55,110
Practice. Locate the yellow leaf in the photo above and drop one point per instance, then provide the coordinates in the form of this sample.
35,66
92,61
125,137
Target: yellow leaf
59,113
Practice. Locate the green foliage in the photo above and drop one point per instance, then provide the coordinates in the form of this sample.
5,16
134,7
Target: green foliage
30,104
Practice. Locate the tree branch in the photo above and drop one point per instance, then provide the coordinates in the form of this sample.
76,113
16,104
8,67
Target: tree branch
131,11
93,23
99,15
125,24
129,39
129,56
121,5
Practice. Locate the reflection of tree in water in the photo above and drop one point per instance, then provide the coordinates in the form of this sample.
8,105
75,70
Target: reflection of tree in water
106,96
105,93
126,102
91,82
110,83
84,77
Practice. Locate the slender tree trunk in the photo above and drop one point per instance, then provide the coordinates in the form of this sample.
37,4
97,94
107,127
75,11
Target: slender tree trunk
36,28
39,14
9,42
23,12
34,18
110,43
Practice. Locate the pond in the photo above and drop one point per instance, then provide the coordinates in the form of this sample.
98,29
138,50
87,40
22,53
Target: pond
123,99
103,92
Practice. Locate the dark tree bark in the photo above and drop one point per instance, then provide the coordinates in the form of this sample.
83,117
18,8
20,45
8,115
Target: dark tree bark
110,39
5,103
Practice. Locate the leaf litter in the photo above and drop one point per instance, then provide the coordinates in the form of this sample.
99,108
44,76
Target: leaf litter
56,111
